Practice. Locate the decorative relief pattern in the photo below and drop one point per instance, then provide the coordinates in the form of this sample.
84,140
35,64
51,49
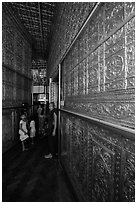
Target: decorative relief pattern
108,67
64,138
17,58
129,146
130,53
76,81
114,15
129,8
114,67
115,43
99,74
67,142
39,71
100,22
19,52
129,179
77,144
70,17
16,86
93,34
100,160
8,92
111,112
8,45
82,78
3,38
93,72
6,127
115,62
102,179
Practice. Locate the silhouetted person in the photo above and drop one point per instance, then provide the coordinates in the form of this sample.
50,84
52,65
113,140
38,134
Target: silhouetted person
52,132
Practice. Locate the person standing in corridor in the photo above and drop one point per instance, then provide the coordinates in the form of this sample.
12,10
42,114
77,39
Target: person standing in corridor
52,131
23,131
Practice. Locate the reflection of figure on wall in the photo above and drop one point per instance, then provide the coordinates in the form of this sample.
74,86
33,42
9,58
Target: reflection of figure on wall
32,129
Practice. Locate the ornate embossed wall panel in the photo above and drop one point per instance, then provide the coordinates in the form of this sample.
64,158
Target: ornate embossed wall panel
26,55
7,127
17,59
98,76
129,9
10,124
115,72
93,73
100,161
114,15
128,193
130,53
106,108
100,81
19,52
102,189
16,63
74,151
39,70
68,19
8,42
16,78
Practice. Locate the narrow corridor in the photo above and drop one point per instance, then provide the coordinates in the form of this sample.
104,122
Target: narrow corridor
28,177
68,68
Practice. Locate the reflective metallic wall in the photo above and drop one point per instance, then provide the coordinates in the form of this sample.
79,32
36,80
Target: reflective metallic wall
69,17
16,75
99,70
99,160
98,83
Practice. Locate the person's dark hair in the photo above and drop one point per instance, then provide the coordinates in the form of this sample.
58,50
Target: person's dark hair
42,112
52,104
32,117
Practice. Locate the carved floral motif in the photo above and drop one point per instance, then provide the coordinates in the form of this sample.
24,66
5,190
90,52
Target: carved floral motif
115,111
129,179
130,53
95,161
114,15
102,183
101,85
114,67
129,8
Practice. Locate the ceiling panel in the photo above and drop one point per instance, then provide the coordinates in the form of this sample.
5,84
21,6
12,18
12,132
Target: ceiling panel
37,17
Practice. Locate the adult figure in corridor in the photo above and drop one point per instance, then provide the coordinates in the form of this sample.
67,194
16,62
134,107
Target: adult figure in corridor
52,131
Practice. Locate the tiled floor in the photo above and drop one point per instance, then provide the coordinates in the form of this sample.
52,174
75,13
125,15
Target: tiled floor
28,177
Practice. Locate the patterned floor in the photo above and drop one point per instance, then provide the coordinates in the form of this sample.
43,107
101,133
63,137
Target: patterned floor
28,177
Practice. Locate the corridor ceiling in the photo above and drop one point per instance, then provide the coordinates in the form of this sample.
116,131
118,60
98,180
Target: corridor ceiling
37,17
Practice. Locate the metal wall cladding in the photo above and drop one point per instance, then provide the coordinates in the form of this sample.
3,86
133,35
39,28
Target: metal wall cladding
10,128
101,162
16,64
99,69
7,127
69,18
98,76
39,70
16,80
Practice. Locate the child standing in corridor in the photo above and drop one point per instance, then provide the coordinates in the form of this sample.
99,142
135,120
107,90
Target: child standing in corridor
23,131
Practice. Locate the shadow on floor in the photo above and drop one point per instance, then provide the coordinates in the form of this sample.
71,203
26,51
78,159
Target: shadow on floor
28,177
